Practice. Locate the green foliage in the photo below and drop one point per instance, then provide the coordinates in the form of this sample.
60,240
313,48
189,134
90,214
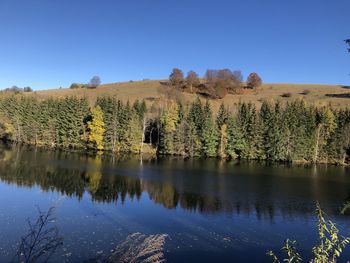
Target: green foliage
222,116
275,132
290,249
249,124
235,140
133,133
329,248
111,109
330,244
70,116
140,108
209,133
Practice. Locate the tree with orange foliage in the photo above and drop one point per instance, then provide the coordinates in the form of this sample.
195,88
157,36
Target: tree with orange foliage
254,81
176,77
192,79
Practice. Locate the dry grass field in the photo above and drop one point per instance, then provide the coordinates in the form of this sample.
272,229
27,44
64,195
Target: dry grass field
152,91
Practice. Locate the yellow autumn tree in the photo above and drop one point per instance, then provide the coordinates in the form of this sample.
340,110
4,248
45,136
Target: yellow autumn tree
169,120
96,128
326,126
170,117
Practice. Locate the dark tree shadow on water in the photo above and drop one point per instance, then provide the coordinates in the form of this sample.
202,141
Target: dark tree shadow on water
41,240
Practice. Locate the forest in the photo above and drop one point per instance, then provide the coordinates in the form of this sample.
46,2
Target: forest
288,132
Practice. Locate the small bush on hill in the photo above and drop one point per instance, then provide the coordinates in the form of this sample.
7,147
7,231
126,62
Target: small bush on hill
286,95
14,89
74,86
94,82
220,92
27,89
305,92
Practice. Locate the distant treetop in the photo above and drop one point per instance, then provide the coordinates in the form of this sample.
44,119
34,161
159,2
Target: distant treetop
254,80
176,77
216,83
16,89
95,82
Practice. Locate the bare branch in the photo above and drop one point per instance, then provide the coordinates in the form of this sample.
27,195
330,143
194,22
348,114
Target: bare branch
42,239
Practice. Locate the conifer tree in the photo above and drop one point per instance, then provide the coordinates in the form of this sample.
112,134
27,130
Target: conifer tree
235,141
273,132
221,123
179,140
209,133
134,133
247,119
196,115
193,143
110,109
222,116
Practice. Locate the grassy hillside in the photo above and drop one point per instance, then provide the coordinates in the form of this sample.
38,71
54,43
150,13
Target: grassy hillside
151,90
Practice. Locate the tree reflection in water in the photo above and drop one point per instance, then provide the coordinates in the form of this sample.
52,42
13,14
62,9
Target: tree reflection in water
204,186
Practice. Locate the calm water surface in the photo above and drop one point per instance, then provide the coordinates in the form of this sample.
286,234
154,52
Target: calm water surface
212,211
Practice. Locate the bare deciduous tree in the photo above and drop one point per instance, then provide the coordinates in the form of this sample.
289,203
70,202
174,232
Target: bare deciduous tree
238,75
224,79
176,78
192,79
211,75
229,79
254,81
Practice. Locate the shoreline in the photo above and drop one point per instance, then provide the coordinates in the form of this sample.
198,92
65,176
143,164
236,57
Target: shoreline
162,156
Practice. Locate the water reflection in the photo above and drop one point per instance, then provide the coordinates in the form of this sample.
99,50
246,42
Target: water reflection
205,186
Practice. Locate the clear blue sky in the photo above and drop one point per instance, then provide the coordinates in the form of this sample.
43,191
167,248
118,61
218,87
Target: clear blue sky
52,43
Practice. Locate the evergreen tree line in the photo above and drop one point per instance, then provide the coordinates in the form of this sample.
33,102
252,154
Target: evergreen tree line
274,132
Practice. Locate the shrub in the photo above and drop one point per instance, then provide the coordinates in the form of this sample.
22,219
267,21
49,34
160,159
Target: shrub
74,86
14,89
330,246
27,89
170,93
286,95
305,92
220,91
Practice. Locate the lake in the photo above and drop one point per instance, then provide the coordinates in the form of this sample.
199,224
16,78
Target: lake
212,211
